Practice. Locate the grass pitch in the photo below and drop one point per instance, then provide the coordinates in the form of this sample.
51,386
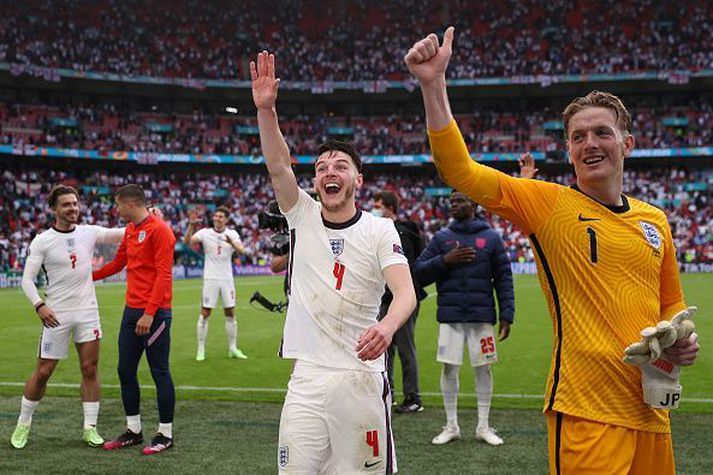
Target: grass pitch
225,420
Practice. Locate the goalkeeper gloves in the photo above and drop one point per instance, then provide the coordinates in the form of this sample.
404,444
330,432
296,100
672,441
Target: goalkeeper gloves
659,377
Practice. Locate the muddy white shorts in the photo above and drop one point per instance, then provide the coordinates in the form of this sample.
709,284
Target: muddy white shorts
336,421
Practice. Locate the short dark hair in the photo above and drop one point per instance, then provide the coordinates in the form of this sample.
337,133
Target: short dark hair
332,145
388,199
131,192
222,209
59,190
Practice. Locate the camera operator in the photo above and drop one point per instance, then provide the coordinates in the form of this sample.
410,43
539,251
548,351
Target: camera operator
274,220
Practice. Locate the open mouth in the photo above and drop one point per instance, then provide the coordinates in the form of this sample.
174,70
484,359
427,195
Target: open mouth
593,160
332,188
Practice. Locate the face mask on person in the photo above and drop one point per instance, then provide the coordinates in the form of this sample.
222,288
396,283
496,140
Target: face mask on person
378,212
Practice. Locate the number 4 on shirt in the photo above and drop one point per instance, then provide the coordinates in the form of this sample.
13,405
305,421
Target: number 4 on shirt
338,272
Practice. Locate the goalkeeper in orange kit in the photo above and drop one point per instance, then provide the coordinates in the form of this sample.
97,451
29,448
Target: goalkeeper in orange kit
607,265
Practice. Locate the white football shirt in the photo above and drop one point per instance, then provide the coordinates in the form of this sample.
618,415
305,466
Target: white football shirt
65,258
218,261
336,284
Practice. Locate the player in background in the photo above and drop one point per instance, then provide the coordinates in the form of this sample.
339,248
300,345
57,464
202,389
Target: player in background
336,414
64,253
468,262
607,266
219,243
147,253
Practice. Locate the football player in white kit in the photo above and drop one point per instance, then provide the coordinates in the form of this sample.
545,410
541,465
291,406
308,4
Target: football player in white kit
336,415
218,243
64,254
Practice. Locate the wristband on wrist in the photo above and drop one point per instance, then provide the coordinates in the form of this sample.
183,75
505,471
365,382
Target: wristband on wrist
39,306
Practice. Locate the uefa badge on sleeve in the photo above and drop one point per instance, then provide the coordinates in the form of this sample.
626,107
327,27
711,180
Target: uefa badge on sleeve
142,236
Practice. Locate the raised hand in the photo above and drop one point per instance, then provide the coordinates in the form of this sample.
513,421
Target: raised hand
193,217
527,166
428,61
264,82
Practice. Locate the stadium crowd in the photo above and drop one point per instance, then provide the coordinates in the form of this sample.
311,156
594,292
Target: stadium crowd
357,40
685,195
108,127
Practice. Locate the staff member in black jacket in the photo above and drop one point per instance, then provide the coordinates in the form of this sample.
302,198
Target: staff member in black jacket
467,260
386,205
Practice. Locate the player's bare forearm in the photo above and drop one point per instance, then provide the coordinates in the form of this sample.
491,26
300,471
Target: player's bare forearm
377,338
398,278
437,105
188,238
277,158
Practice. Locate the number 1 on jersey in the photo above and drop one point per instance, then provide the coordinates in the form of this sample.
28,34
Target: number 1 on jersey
592,245
338,272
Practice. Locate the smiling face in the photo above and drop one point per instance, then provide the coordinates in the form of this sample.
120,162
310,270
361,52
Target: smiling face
336,180
597,146
219,221
66,210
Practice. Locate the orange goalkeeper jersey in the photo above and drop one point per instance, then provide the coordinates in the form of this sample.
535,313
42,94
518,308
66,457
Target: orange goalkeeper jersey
607,272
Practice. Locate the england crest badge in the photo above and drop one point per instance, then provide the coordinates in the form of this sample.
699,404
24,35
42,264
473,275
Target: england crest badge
142,236
651,233
337,246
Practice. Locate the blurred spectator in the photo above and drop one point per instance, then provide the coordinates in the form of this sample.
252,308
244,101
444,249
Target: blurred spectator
685,195
356,40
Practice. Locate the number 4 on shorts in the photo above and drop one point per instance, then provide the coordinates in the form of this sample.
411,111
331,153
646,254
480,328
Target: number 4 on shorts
372,440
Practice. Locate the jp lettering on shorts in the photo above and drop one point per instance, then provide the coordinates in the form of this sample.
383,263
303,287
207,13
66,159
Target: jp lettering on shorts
218,289
83,327
479,338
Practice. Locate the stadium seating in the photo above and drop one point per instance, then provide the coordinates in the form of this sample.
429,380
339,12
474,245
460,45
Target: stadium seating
356,40
686,196
105,126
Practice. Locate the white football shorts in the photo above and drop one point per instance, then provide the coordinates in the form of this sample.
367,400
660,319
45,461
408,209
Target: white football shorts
212,289
84,326
336,421
479,337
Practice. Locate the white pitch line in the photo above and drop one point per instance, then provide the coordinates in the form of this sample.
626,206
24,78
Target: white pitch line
283,391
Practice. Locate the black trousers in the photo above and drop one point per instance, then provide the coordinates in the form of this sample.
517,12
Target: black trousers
157,345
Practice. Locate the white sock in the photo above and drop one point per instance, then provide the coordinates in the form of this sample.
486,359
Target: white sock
231,330
91,413
27,408
484,391
166,429
202,331
133,423
449,389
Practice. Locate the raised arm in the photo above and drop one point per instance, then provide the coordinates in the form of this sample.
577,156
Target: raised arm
193,221
274,147
428,62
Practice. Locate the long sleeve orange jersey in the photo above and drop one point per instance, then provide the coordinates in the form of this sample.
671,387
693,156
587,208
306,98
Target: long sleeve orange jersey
606,272
147,253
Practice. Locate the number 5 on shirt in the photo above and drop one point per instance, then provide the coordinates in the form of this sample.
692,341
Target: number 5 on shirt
338,272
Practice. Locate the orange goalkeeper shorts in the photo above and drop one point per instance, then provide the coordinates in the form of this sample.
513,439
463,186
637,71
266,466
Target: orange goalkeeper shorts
583,447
